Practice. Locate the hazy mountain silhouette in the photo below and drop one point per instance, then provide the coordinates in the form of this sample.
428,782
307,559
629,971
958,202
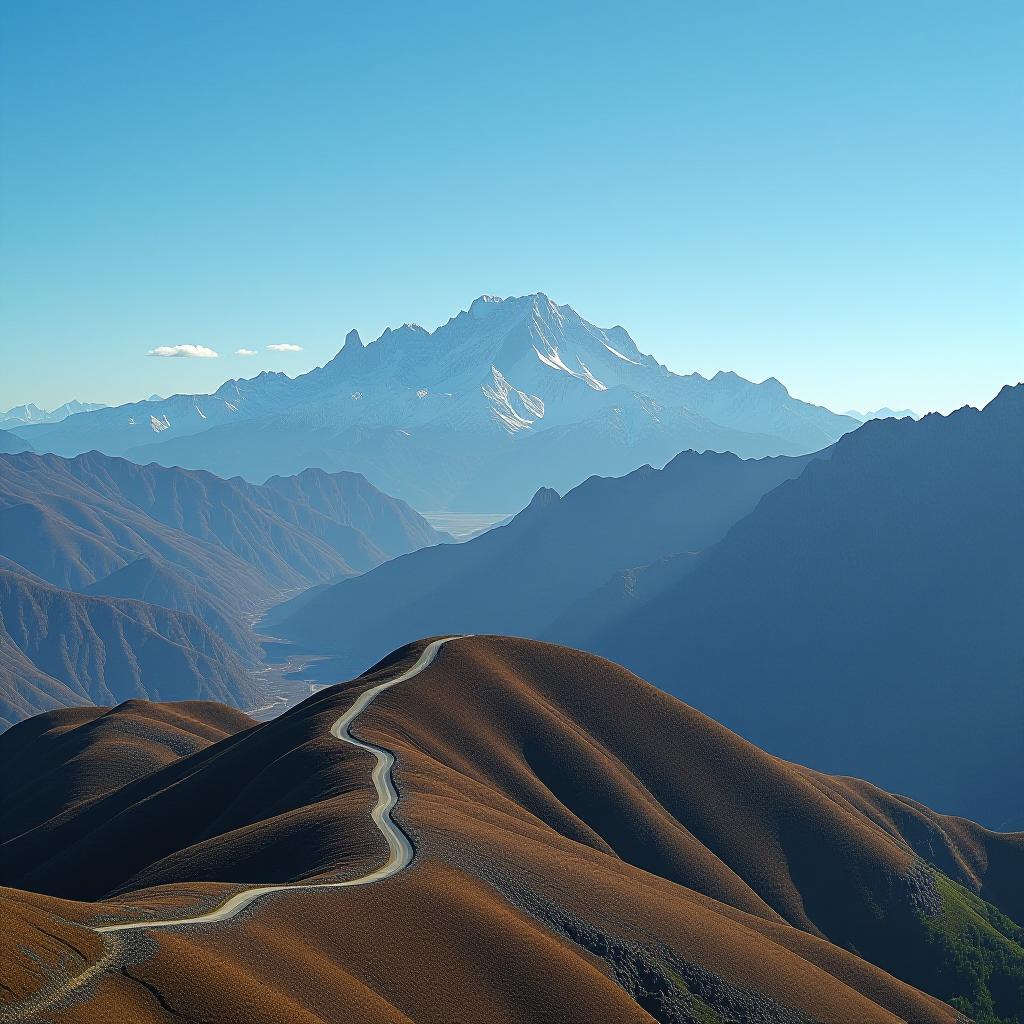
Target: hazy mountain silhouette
520,578
152,580
25,415
75,521
507,396
61,648
11,443
218,551
634,860
866,617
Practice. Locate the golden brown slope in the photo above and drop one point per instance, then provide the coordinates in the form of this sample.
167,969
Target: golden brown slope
70,756
587,849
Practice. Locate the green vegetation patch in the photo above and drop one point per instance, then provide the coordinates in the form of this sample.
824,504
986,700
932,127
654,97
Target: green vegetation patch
974,956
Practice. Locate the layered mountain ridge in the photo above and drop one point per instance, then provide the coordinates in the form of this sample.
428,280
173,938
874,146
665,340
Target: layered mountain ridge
520,578
878,582
149,558
879,594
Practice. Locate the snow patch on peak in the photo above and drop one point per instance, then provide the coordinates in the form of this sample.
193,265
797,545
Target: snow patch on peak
615,352
485,305
504,399
554,360
591,380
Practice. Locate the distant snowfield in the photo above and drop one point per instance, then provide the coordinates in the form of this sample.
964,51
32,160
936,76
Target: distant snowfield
463,525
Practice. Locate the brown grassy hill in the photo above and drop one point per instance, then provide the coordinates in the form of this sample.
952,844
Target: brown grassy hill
587,849
68,757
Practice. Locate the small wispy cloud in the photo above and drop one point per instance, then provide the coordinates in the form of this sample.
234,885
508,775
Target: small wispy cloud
246,352
182,352
284,348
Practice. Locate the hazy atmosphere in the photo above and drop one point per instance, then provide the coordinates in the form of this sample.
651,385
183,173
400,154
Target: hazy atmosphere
511,514
830,194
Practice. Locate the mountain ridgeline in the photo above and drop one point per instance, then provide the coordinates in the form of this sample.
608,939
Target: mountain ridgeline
122,580
867,616
520,578
589,848
859,610
507,396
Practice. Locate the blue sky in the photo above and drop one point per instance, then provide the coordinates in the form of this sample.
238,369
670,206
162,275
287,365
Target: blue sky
830,193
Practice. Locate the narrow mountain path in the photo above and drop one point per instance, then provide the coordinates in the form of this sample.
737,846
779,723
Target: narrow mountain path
400,850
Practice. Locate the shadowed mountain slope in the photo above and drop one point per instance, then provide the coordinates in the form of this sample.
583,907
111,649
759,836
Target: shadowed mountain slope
153,581
521,577
60,648
74,521
866,617
219,551
589,848
70,756
11,443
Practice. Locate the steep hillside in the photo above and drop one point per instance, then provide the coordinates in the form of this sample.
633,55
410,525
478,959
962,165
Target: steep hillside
520,578
866,617
58,648
219,551
153,581
589,848
75,521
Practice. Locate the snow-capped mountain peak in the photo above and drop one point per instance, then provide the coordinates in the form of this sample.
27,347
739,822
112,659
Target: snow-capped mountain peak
503,371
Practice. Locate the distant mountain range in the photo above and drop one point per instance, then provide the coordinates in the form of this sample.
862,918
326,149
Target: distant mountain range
143,541
26,415
885,413
508,396
11,443
587,848
879,584
866,617
522,578
58,648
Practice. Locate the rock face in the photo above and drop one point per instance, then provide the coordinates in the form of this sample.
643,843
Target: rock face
508,396
880,594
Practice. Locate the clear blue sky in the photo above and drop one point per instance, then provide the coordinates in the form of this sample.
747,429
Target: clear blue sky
828,192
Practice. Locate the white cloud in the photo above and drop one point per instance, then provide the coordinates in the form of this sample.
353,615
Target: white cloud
246,352
183,351
284,348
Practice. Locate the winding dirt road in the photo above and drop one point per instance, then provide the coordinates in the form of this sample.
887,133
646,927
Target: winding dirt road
399,847
400,854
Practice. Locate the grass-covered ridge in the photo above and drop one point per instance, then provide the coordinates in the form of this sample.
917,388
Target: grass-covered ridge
943,939
978,956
